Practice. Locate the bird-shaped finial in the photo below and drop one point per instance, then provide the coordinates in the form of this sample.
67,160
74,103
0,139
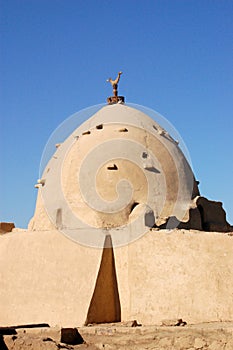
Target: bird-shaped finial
115,98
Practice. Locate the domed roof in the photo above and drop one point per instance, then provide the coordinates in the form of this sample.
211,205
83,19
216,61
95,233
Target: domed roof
118,171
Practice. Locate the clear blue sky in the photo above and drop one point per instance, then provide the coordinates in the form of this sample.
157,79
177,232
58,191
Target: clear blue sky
176,56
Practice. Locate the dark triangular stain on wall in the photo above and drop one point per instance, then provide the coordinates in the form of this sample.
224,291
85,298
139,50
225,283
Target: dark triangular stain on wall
105,303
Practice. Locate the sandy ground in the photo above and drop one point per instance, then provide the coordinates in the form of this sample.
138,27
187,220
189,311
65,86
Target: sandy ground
212,336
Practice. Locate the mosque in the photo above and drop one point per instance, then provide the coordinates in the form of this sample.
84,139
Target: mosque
120,232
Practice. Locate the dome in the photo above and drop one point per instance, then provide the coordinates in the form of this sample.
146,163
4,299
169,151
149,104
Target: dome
119,171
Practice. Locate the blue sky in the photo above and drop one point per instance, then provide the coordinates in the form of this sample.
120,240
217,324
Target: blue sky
176,56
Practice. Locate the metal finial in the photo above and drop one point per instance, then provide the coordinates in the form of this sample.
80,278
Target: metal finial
115,98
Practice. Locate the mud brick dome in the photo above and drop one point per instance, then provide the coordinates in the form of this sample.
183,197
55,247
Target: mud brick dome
120,168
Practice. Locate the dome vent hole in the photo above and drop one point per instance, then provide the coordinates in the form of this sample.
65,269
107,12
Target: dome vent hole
99,127
112,167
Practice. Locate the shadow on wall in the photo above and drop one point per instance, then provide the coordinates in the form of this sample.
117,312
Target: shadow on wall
105,303
205,215
2,343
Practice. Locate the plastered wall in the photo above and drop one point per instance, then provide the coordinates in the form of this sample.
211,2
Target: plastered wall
46,277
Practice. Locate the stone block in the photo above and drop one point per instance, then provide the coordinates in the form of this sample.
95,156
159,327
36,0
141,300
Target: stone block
71,336
6,227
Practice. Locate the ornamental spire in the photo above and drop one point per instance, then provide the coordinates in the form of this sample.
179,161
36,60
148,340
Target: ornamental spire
115,98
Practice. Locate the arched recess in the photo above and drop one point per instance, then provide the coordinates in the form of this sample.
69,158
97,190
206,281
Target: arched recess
105,303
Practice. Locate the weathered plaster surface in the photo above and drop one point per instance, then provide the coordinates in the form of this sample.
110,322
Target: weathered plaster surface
184,274
46,277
